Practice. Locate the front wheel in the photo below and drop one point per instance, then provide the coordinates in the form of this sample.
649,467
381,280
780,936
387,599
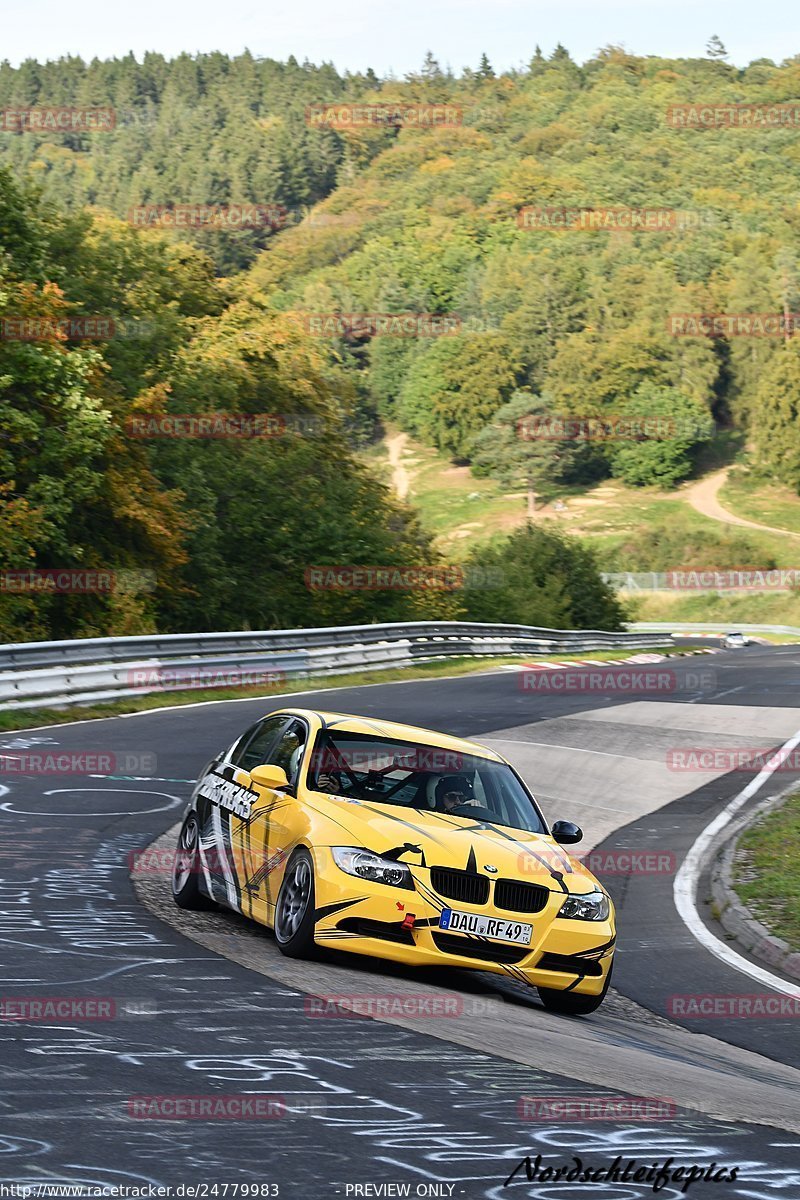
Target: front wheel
571,1003
186,871
294,911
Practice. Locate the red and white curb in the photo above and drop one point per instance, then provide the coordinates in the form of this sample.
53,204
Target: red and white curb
639,659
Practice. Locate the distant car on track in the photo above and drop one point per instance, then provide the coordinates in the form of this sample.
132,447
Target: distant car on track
735,641
388,840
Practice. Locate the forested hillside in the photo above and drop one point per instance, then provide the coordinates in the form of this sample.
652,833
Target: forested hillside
539,318
226,527
208,130
580,317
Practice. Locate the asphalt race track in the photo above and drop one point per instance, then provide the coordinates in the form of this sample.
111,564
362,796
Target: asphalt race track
202,1005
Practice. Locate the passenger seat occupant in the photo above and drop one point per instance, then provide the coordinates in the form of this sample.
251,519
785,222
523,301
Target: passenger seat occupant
453,791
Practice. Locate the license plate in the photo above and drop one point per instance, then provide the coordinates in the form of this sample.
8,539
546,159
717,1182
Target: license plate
493,927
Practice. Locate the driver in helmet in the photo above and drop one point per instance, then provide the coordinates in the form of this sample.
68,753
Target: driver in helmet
454,791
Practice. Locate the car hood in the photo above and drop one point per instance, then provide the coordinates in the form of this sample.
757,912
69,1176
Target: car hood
431,839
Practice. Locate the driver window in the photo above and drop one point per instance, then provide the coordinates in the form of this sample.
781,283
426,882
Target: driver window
254,751
288,751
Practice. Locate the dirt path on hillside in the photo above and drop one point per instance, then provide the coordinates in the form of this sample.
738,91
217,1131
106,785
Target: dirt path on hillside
401,480
703,497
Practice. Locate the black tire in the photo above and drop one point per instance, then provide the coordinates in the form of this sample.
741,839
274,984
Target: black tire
572,1003
186,891
294,910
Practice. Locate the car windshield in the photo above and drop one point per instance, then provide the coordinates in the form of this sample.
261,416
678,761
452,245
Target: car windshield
432,779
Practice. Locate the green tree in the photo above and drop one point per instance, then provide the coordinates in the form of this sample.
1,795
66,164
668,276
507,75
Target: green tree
76,494
521,447
715,48
485,69
538,576
654,435
538,62
776,415
264,511
455,386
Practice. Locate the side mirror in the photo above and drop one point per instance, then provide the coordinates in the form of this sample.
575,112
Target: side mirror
566,833
269,776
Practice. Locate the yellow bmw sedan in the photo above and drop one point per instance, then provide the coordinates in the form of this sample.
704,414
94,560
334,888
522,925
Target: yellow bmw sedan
397,842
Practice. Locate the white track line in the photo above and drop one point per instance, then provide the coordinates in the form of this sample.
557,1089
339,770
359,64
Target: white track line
557,746
687,879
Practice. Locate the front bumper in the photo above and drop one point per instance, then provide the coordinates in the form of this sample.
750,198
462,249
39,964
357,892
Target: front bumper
368,918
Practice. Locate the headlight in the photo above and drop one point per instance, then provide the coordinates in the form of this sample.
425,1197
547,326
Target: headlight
594,906
366,865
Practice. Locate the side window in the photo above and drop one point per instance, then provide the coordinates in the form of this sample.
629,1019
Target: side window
288,750
254,750
233,751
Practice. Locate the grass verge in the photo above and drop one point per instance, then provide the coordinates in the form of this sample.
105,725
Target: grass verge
743,608
766,871
746,495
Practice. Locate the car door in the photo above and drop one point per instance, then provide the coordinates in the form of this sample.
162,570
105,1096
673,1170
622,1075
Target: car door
224,803
265,839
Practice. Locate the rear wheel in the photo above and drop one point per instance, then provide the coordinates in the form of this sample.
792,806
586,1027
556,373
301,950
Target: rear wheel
186,870
572,1003
294,911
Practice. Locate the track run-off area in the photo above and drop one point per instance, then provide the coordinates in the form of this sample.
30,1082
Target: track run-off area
203,1004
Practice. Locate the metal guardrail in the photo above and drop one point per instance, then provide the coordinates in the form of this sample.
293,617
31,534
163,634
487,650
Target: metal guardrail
58,674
